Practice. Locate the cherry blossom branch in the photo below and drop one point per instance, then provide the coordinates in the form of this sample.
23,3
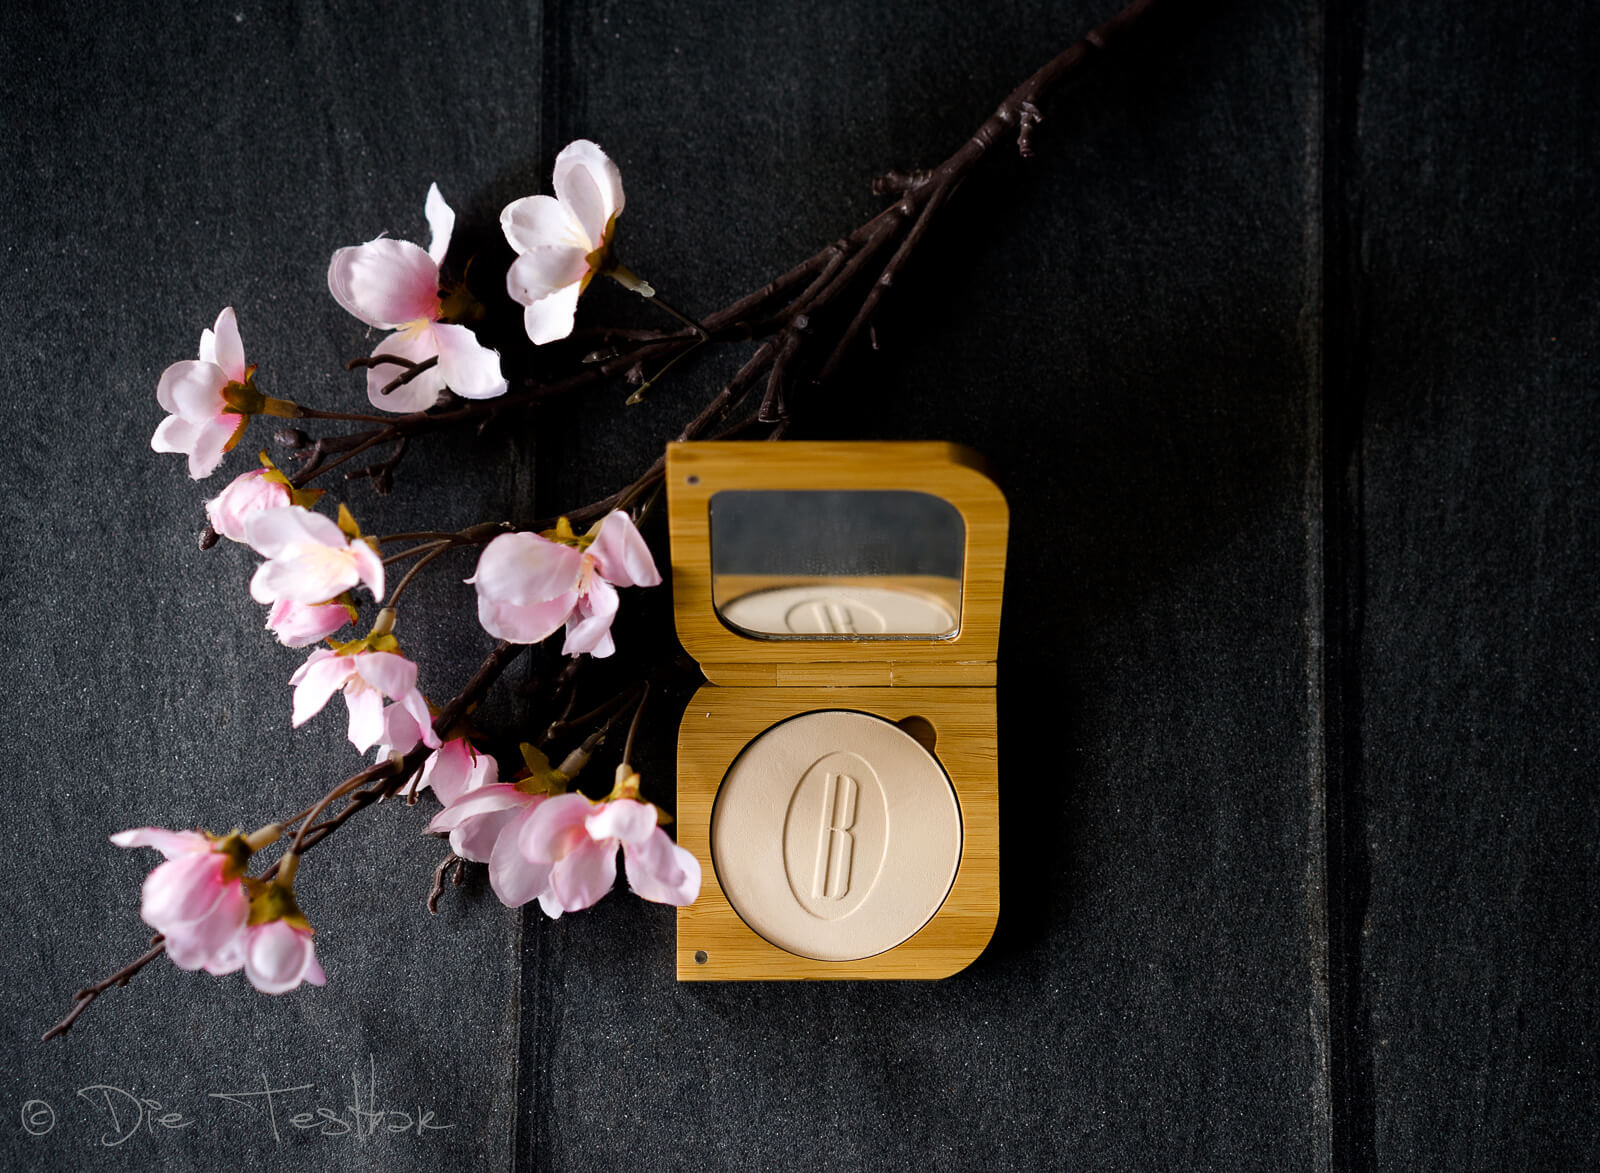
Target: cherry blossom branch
388,776
384,778
804,324
793,333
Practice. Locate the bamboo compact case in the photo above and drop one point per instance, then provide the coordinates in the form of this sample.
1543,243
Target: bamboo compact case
837,775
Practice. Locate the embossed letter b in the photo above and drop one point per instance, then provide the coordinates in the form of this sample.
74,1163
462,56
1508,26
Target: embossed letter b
836,845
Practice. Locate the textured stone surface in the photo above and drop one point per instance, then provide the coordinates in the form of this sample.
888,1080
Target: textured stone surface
1477,648
1268,230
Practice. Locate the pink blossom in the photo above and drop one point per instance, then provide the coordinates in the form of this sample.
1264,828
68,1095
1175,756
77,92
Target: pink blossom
200,424
562,241
529,585
299,625
276,956
454,769
394,285
196,899
485,825
365,678
310,559
249,492
578,840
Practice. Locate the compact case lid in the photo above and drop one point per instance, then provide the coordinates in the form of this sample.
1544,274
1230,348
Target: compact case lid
913,598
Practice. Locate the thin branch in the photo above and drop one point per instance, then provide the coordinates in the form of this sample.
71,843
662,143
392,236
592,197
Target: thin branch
399,590
84,998
408,374
438,878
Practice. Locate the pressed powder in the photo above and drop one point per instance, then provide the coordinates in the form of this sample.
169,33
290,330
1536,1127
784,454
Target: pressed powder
839,610
836,835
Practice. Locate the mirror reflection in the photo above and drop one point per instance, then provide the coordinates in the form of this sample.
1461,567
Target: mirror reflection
852,564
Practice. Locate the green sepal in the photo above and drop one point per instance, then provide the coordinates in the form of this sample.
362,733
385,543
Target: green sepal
366,643
238,432
233,846
564,534
286,409
347,523
305,498
270,901
539,777
244,397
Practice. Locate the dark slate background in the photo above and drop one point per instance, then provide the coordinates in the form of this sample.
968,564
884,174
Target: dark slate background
1282,348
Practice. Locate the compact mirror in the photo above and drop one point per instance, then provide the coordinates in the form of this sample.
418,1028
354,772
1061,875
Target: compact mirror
812,564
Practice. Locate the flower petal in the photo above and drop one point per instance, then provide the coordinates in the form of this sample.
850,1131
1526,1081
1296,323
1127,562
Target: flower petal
193,390
525,625
622,818
558,828
589,626
588,182
541,272
551,318
248,493
414,704
316,681
273,531
175,434
515,878
584,875
299,625
658,869
314,577
541,221
388,672
525,568
385,282
182,890
276,957
228,348
211,443
417,343
446,771
400,735
168,843
368,566
194,945
229,958
468,367
620,553
441,222
366,716
484,800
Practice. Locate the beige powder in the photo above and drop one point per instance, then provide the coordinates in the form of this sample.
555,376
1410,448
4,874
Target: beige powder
835,835
837,609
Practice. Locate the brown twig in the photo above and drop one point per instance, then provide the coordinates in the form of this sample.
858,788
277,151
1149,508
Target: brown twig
85,997
438,878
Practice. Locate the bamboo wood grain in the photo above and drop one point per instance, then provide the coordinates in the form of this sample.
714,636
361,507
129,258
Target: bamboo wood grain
757,683
697,471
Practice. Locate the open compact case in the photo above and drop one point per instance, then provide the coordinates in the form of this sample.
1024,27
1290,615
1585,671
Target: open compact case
837,775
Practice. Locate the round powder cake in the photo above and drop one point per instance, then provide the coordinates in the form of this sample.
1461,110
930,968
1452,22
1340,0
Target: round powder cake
836,835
